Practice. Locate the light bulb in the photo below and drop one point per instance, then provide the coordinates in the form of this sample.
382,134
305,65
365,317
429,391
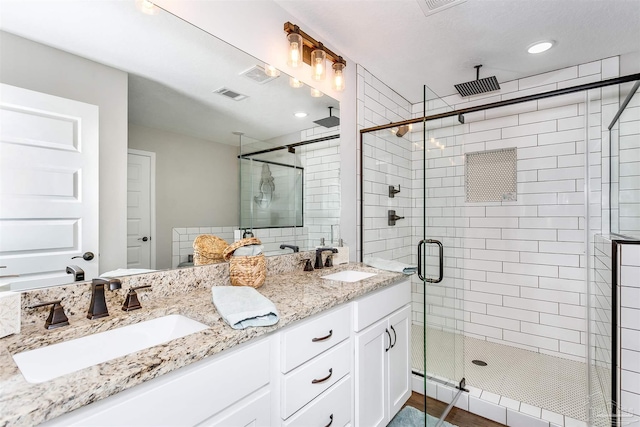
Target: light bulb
146,7
271,71
295,83
318,58
295,50
338,77
316,93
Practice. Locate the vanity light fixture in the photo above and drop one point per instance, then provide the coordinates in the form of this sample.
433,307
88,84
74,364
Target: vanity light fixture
541,46
295,83
304,48
146,7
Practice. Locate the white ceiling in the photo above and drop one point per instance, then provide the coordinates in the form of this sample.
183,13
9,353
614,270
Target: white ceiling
404,48
174,68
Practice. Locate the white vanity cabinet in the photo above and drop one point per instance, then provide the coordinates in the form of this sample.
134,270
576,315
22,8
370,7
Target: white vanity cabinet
316,365
234,385
382,346
346,366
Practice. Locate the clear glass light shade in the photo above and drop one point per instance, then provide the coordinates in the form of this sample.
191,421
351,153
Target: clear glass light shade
295,83
295,50
271,71
318,59
338,77
316,93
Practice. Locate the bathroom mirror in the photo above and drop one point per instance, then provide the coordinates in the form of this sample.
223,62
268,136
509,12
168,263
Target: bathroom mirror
170,89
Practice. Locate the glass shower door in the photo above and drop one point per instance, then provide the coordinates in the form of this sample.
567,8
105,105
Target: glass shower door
440,252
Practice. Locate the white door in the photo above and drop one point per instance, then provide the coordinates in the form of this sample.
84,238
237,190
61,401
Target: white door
140,210
371,372
48,186
399,374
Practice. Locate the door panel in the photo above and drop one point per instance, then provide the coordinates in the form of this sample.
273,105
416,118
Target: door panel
139,238
371,372
399,357
48,185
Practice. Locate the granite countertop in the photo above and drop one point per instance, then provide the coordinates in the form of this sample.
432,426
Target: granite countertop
297,295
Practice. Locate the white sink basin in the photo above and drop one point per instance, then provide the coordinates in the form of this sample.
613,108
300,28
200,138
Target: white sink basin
348,276
52,361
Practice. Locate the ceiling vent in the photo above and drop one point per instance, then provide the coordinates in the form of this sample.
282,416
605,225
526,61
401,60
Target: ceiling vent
257,74
429,7
230,94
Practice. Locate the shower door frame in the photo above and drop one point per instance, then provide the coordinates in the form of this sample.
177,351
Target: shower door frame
460,114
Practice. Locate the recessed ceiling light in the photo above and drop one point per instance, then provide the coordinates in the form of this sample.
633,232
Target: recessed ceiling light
147,7
539,47
300,114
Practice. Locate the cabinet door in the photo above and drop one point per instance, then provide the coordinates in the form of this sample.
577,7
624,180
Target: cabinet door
399,372
371,373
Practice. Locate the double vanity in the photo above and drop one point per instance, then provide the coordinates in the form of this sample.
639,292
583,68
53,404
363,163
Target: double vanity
339,354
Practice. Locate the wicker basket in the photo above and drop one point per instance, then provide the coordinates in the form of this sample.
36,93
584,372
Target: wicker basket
246,270
208,249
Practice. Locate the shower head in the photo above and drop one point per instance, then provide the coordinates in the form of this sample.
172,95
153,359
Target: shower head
478,86
328,122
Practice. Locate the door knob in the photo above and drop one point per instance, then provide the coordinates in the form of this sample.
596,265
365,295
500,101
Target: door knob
87,256
145,238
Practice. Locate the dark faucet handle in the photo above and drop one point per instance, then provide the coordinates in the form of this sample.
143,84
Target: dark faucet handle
132,302
308,266
329,261
56,318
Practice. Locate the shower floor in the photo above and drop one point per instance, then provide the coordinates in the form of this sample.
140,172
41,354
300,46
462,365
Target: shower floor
517,376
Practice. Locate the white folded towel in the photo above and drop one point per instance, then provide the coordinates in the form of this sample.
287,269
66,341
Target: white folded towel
385,264
250,250
242,307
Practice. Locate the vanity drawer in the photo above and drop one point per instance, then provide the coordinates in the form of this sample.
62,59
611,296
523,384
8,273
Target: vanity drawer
374,307
304,342
332,406
302,385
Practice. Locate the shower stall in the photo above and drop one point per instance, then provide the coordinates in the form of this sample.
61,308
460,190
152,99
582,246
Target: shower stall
500,203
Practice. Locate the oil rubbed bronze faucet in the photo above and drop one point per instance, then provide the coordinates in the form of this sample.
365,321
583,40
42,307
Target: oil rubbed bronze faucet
98,306
319,252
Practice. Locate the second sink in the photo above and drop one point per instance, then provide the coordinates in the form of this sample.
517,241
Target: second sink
349,276
46,363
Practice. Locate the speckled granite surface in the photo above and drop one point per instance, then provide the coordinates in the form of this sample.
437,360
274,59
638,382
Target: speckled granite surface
295,293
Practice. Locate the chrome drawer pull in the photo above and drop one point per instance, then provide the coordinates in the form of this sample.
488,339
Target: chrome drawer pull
330,422
321,380
326,337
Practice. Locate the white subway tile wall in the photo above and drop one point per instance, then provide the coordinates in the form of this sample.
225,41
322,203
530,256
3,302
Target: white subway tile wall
321,162
629,265
518,264
529,254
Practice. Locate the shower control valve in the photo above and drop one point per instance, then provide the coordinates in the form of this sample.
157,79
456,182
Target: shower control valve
393,217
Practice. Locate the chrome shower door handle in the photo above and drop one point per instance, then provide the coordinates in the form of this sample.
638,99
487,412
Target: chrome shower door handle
440,262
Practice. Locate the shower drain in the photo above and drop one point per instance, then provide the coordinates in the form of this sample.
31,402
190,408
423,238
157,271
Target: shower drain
479,362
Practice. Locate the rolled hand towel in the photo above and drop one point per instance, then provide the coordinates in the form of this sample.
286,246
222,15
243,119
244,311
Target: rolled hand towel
384,264
243,306
250,250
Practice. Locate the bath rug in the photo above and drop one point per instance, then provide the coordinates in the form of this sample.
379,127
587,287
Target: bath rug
412,417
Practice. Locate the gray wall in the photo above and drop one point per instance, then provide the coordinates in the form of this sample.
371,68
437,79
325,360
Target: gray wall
196,183
40,68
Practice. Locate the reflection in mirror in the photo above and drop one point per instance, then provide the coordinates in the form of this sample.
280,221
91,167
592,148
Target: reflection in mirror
625,165
170,101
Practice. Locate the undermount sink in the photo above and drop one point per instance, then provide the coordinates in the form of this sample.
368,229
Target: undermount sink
348,276
46,363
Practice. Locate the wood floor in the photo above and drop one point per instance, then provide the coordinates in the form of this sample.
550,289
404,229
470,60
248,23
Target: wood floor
456,417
